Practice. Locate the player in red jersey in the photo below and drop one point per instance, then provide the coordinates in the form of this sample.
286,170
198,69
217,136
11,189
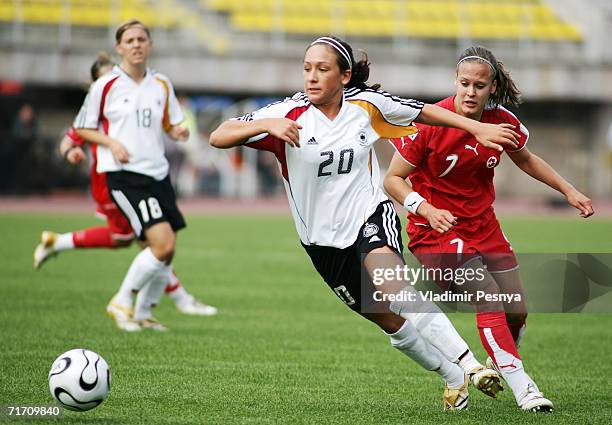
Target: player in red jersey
450,206
118,232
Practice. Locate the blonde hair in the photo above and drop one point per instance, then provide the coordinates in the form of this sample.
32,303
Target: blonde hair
130,24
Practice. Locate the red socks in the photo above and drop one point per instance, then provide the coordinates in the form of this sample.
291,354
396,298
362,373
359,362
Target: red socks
496,337
171,287
93,237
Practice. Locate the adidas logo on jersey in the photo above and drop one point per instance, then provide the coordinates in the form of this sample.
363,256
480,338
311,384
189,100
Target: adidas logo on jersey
312,141
374,239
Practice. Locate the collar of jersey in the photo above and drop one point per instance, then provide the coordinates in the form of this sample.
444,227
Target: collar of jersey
324,117
126,75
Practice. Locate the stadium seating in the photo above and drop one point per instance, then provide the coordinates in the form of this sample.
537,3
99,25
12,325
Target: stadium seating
427,19
87,13
441,19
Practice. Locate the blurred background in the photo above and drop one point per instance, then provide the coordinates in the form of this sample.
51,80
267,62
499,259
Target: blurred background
226,57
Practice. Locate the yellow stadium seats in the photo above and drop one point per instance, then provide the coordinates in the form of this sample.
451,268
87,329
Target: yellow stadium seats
443,19
436,19
87,13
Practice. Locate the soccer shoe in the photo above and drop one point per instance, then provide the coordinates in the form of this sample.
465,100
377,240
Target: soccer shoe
189,305
152,324
44,250
486,380
457,399
534,401
122,315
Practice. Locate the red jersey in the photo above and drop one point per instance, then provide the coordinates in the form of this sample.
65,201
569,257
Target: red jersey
99,191
453,171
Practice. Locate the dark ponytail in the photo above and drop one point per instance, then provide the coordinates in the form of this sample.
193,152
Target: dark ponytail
506,93
361,73
103,59
360,70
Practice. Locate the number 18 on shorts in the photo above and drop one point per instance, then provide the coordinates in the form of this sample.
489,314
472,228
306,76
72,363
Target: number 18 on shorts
144,200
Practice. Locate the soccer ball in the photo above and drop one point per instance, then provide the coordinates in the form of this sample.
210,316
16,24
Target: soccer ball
79,379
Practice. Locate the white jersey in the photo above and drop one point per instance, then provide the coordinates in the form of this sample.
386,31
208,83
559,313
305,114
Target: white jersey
332,180
135,114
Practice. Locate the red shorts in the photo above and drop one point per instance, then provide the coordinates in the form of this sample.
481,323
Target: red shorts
479,237
119,226
106,209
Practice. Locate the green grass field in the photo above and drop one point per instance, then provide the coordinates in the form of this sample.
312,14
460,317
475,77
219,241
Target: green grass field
283,348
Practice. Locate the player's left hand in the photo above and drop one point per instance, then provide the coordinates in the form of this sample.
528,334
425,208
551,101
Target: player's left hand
497,136
580,202
179,133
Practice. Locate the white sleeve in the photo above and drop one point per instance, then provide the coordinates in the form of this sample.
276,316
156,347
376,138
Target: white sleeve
397,110
89,115
391,116
175,112
273,110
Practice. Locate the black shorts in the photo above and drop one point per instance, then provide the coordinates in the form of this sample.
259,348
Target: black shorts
342,269
144,201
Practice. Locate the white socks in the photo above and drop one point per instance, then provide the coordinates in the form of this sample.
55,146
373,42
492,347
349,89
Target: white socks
468,362
178,294
143,269
63,242
440,332
433,325
150,295
408,340
511,367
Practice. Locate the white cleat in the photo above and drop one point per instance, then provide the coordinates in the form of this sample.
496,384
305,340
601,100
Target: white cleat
152,324
44,250
533,400
122,315
457,399
486,380
194,307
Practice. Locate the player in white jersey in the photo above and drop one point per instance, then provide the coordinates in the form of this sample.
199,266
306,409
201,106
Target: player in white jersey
118,232
323,140
127,112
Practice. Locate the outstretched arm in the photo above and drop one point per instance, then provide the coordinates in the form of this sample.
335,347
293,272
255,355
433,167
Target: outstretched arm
235,132
540,170
493,136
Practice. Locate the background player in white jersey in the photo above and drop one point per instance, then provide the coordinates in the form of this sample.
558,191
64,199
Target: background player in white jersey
118,232
127,112
323,141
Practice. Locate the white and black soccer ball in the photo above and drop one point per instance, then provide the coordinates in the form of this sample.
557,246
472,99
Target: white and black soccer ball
79,379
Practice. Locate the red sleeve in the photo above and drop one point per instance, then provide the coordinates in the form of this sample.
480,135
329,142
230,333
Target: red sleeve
510,118
268,143
413,148
76,139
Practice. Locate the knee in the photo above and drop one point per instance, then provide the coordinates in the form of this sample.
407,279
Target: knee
164,251
490,302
